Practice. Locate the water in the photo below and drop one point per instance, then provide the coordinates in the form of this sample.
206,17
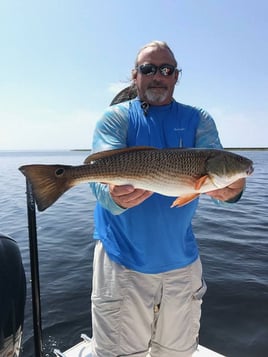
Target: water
233,244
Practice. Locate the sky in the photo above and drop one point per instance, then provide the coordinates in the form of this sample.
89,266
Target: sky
63,61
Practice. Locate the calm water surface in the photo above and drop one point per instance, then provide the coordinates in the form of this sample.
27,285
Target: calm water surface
233,242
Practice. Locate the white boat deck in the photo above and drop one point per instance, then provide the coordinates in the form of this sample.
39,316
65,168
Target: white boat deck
83,349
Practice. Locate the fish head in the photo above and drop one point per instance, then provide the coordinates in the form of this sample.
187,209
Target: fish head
225,167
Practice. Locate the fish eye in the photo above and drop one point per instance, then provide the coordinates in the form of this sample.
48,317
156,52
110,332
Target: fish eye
59,172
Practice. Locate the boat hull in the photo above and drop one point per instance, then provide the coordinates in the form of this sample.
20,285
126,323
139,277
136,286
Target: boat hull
83,349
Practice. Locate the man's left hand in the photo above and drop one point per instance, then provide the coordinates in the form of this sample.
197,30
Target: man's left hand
229,192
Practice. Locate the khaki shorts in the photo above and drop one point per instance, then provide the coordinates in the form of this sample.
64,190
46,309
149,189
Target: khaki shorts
133,313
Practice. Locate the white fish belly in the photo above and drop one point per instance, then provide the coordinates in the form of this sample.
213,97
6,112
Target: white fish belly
166,187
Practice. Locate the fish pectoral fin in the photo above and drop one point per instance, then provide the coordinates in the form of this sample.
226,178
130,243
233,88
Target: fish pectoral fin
199,183
183,200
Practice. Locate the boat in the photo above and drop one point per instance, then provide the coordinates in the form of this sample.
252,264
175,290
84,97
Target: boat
83,349
12,297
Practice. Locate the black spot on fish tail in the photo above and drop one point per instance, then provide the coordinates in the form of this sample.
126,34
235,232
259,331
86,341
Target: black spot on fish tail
48,183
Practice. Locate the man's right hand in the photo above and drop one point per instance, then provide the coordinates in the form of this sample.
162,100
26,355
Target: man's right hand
127,196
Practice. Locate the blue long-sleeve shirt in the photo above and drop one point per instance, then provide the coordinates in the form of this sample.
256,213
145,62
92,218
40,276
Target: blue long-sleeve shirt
150,237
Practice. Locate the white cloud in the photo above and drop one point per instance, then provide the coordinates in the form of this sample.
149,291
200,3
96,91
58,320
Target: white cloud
239,129
50,129
47,130
29,127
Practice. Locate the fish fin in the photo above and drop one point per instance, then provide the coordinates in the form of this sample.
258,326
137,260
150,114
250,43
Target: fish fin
200,182
183,200
125,94
48,183
107,153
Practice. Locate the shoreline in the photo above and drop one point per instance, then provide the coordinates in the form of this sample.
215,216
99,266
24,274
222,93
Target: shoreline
226,148
89,150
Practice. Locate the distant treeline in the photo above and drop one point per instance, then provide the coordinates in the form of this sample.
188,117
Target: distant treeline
234,148
247,149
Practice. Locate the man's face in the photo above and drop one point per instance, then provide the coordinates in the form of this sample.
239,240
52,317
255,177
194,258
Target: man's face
155,89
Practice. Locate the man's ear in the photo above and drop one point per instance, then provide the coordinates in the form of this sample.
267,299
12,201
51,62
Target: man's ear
177,74
134,74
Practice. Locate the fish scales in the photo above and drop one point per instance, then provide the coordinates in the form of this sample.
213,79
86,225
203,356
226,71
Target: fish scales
166,162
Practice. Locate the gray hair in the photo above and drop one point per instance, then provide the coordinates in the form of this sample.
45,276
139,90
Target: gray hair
157,44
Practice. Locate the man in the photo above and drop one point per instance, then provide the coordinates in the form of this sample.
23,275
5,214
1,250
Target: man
147,280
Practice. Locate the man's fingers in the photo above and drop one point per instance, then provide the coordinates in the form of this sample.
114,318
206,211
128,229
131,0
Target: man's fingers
118,191
127,196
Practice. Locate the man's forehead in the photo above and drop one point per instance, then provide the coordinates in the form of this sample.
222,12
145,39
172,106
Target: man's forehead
155,54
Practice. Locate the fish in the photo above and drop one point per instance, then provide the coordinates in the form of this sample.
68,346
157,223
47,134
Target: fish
175,172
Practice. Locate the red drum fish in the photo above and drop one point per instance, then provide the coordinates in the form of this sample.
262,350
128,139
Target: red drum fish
181,173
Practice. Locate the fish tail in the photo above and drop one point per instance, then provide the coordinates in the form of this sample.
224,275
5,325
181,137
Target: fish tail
48,182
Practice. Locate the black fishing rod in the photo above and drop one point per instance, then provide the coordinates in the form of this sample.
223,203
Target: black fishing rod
33,245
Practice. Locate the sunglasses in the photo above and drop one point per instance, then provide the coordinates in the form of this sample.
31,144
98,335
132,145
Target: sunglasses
150,69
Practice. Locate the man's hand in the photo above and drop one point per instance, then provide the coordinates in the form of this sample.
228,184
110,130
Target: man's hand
229,192
127,196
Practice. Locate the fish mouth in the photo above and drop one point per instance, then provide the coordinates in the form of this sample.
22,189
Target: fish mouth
250,170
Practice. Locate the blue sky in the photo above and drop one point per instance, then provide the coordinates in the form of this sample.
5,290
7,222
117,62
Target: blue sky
62,62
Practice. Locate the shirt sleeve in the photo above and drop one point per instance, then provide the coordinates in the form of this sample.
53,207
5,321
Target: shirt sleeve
110,133
207,134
